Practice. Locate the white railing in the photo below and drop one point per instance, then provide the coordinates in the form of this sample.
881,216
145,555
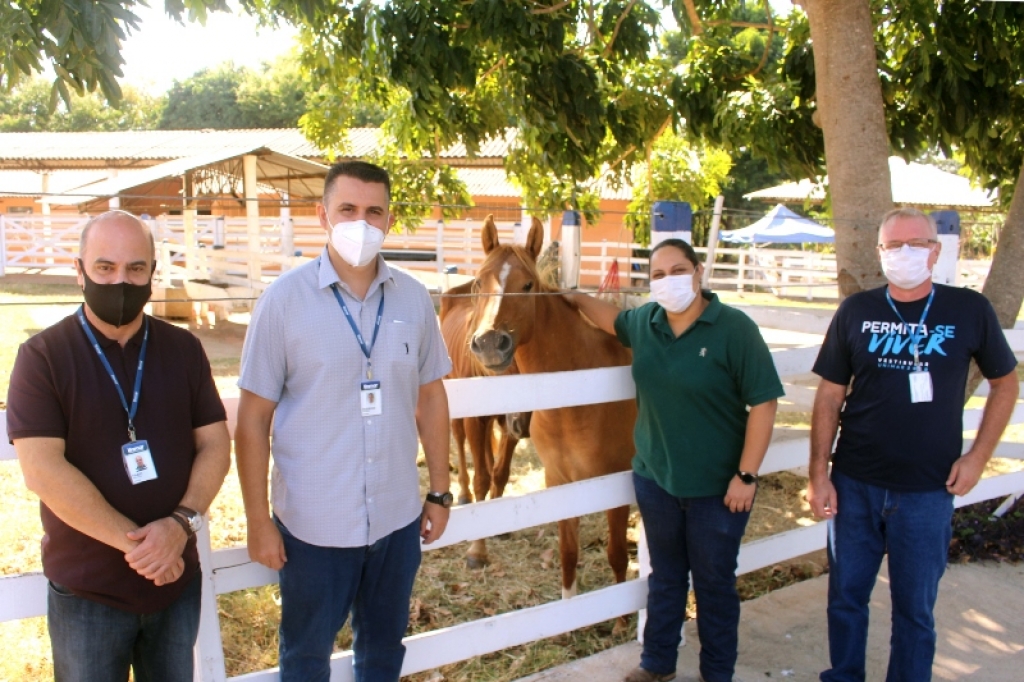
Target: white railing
227,570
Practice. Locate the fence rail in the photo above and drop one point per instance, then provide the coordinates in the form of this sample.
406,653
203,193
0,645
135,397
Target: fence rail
227,570
220,247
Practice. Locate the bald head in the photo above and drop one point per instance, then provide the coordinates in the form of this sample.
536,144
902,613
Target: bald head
123,219
116,247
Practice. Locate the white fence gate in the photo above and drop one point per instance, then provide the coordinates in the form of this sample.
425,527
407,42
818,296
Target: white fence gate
227,570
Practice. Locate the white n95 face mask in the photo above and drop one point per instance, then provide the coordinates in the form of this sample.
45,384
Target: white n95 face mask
906,267
673,293
356,241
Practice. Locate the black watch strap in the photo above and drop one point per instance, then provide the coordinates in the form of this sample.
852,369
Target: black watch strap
443,499
747,477
183,523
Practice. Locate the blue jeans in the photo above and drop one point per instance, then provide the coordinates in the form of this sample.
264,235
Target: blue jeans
685,535
94,642
915,530
320,585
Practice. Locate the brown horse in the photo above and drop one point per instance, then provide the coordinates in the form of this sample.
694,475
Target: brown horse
546,334
490,473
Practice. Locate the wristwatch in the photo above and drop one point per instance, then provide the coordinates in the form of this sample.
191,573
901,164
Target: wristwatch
747,477
190,519
443,499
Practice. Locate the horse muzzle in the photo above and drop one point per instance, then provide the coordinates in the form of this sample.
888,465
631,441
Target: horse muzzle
494,348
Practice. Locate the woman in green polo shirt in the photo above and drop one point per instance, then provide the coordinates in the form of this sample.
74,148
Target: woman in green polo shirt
706,390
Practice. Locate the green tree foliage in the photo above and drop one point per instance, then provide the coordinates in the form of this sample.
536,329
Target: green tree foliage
80,39
27,109
275,95
208,99
677,170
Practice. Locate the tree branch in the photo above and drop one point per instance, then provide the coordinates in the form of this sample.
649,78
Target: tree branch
767,44
618,25
742,24
691,11
552,8
497,65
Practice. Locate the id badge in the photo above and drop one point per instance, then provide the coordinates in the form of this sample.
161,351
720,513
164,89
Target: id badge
369,398
920,387
138,462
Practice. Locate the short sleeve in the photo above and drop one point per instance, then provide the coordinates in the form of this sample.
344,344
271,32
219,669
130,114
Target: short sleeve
834,362
623,326
753,368
264,362
207,407
433,354
33,404
994,356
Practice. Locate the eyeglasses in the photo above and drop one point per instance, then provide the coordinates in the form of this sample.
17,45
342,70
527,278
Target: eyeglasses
915,243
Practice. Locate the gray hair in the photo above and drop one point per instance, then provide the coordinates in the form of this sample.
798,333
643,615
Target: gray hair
907,212
116,214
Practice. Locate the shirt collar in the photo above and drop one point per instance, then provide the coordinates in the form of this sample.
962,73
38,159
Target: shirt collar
105,342
659,319
328,276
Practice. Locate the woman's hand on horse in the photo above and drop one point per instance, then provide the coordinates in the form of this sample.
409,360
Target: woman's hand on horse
740,496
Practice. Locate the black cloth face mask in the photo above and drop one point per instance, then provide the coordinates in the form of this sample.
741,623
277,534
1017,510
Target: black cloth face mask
116,304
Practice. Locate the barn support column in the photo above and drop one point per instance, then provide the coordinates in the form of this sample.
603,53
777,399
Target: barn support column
287,232
188,220
252,218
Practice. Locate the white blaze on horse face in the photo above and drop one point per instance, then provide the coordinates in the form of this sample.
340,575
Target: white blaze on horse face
493,303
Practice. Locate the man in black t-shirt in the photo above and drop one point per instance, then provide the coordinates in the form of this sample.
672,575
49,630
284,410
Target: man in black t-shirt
893,371
120,431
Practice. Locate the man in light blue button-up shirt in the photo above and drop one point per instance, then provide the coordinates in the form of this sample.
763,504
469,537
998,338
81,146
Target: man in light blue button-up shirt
344,358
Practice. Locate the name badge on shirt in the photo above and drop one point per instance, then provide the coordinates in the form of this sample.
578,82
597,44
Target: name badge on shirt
920,387
369,398
138,462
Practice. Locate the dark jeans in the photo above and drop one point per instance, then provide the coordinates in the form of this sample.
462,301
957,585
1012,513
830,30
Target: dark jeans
697,535
320,585
915,530
94,642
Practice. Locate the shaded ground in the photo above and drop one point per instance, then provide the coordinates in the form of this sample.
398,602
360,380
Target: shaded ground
978,536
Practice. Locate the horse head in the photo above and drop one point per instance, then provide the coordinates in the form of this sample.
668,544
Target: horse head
503,315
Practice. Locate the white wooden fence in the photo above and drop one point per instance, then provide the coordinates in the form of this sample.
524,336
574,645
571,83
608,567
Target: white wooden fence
227,570
221,252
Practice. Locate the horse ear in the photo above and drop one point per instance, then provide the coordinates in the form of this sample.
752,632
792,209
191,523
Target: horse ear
535,239
489,235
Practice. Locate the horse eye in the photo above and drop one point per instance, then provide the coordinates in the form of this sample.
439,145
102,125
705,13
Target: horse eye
528,286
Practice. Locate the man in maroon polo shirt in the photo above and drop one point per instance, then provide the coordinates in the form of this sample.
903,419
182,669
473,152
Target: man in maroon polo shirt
120,431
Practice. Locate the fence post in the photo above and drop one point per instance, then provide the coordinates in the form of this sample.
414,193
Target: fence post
287,233
741,269
209,650
3,246
709,259
439,246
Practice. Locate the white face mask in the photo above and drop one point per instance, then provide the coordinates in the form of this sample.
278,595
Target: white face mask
908,267
356,241
673,293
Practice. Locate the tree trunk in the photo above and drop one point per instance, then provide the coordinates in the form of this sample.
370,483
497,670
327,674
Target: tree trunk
852,119
1004,286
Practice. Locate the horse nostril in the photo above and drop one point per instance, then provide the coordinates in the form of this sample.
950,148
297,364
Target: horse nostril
474,344
505,343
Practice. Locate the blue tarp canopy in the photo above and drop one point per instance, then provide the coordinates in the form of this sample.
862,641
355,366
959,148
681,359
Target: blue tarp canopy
780,226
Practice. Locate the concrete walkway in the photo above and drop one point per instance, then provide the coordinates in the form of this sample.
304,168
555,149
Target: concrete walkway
980,618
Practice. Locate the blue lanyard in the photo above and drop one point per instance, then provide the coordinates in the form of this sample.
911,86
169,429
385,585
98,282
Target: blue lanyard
916,338
355,329
110,370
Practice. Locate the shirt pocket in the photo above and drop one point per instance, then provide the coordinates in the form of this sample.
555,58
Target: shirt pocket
403,342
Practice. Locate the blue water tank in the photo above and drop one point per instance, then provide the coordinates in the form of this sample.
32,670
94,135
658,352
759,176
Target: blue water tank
948,222
671,216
